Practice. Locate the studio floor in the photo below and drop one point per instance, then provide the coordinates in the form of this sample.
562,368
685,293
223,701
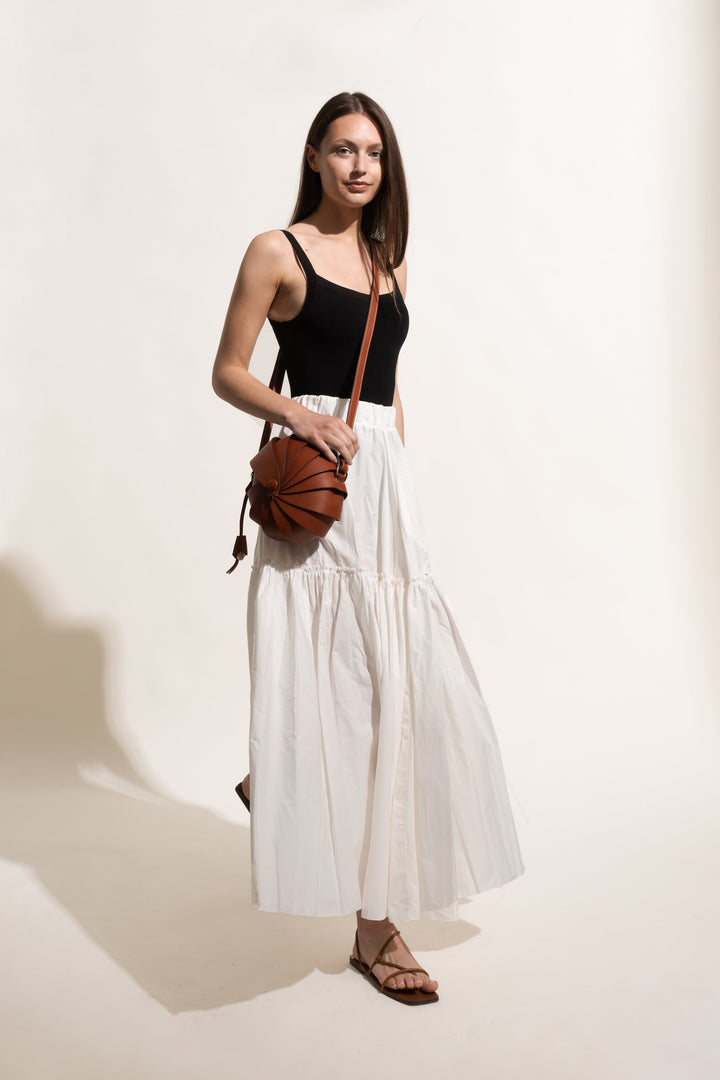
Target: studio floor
130,949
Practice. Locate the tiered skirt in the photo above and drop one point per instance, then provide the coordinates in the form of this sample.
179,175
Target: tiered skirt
376,777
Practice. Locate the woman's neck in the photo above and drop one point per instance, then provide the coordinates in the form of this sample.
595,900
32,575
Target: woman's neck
333,220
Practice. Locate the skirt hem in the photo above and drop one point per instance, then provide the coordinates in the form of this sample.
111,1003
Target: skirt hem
394,916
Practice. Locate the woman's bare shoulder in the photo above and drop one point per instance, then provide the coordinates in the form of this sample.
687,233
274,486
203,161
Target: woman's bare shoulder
268,245
267,254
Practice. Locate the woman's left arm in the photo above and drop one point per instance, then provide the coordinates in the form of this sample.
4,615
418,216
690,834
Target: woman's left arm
401,275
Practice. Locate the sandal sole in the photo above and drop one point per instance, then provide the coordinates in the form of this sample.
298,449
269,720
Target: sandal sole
242,795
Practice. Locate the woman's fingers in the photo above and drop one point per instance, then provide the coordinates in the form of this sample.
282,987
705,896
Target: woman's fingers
349,447
334,448
330,434
328,452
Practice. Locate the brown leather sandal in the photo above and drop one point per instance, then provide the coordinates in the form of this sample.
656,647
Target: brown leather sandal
243,796
407,997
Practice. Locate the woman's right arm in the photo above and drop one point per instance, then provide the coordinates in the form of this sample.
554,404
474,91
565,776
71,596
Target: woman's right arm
257,283
259,278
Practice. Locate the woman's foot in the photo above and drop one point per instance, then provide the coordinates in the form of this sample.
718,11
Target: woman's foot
371,937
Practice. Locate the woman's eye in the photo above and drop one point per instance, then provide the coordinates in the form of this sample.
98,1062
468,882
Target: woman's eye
346,150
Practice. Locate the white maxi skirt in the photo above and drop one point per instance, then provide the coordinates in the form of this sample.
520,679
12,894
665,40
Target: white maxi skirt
376,778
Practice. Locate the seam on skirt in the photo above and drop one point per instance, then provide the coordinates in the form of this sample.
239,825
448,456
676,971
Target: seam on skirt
355,571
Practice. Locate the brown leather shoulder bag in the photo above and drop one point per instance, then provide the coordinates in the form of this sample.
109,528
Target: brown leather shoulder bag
295,492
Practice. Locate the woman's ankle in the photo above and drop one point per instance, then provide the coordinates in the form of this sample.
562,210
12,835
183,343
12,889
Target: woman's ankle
374,926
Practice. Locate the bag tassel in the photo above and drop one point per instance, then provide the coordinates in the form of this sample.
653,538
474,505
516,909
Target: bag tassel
240,549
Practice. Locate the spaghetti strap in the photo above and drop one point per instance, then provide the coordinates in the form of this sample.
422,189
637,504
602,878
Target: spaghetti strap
302,257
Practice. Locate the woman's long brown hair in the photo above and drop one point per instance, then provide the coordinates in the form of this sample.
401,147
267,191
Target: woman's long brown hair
384,221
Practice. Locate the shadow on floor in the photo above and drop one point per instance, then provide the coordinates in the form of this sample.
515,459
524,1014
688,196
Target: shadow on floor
160,886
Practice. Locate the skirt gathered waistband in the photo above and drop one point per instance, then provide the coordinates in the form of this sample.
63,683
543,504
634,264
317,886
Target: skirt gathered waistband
369,414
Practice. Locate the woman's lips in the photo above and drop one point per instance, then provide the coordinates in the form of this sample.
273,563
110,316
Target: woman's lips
358,186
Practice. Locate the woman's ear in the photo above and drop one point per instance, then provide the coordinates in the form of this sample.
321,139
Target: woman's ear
311,157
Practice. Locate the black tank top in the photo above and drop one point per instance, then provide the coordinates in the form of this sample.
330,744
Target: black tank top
321,344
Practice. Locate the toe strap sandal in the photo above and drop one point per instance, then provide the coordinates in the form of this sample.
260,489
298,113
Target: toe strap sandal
414,996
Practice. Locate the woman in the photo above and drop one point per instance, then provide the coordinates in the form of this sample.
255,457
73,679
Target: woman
376,783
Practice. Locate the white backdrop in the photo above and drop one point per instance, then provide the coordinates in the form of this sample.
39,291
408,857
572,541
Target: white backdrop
549,361
559,381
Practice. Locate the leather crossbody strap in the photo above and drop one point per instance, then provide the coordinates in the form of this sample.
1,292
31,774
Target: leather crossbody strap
276,381
365,347
278,375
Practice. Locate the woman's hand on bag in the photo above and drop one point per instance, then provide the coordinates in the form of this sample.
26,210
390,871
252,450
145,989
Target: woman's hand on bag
328,433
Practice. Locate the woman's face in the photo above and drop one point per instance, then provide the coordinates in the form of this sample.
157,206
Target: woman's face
349,160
